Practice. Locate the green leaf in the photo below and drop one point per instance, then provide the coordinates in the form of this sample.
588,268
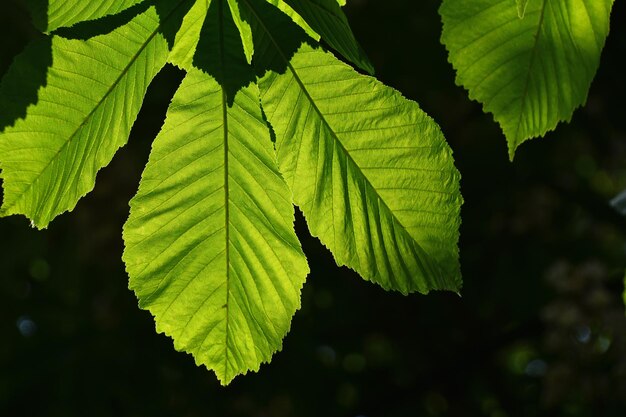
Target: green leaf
64,13
286,9
531,73
210,245
84,113
371,172
244,29
327,19
188,35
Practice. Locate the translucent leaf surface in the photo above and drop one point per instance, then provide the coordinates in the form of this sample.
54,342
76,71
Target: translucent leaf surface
210,245
286,9
531,73
84,113
327,19
371,172
63,13
244,29
188,35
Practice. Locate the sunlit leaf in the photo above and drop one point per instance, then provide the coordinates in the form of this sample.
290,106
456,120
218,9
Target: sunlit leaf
84,113
63,13
371,172
244,29
286,9
531,73
210,245
211,249
188,35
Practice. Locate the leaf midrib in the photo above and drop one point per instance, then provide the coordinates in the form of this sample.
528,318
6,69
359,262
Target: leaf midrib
531,63
226,185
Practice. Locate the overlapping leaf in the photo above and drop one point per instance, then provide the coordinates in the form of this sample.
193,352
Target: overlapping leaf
210,245
92,95
295,17
327,19
188,35
371,172
531,73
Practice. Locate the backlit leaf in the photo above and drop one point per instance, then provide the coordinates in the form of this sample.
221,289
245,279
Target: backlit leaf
521,8
188,35
210,245
286,9
531,73
371,172
63,13
244,29
84,113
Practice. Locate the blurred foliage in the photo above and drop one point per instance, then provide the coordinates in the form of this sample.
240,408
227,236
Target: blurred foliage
539,329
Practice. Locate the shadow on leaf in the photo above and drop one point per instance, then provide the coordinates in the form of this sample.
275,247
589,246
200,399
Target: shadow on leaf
20,85
276,37
220,51
171,14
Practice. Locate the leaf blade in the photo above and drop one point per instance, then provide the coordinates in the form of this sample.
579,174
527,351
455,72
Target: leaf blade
47,167
323,112
188,36
380,191
284,7
63,13
213,207
531,73
327,19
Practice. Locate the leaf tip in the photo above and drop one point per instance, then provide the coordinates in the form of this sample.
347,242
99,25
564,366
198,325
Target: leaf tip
512,149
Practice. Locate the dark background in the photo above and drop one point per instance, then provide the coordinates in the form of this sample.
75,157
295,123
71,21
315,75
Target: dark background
540,329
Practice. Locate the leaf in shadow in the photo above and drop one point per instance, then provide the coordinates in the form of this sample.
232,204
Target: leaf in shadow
172,14
38,10
276,36
220,51
20,85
